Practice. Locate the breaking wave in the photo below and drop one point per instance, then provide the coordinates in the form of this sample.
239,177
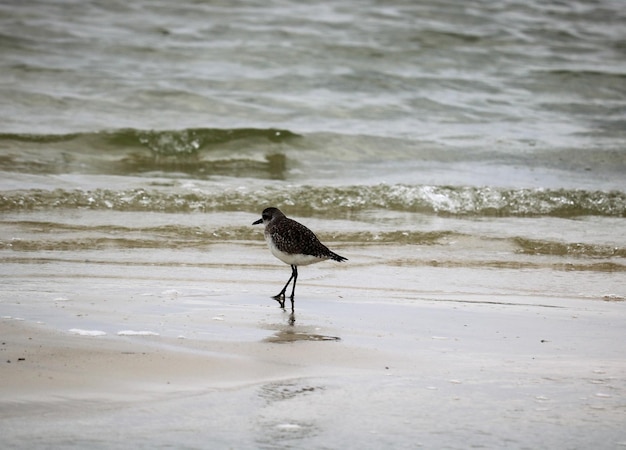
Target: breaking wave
334,201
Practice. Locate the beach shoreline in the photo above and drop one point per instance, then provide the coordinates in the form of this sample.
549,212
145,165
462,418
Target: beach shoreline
480,370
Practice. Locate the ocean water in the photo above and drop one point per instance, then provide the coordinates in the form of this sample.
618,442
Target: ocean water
384,114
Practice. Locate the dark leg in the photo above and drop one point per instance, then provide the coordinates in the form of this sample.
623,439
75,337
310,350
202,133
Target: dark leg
293,289
280,297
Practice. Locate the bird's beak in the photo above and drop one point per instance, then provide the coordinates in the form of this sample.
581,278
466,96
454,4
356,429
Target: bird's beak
257,222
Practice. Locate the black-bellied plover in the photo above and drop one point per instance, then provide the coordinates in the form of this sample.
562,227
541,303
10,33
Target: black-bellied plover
293,244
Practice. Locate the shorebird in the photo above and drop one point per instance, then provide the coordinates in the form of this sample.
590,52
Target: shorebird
293,244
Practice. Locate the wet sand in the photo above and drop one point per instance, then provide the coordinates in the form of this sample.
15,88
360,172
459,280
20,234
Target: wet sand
120,355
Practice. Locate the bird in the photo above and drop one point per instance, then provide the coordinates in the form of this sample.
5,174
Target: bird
293,244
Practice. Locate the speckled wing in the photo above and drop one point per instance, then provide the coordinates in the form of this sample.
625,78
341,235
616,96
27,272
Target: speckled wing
292,237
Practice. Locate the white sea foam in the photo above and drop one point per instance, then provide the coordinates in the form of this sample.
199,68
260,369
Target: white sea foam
82,332
136,333
288,426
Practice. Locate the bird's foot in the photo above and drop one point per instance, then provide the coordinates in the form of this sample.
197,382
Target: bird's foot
280,298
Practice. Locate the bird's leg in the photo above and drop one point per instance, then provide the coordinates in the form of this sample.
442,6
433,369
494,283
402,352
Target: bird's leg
280,297
294,273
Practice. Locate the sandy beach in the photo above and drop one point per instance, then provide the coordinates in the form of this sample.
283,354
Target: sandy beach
121,355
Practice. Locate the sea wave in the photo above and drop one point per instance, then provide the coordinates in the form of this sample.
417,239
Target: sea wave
338,201
197,152
281,154
168,142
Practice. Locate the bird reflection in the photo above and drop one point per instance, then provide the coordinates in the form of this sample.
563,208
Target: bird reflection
289,332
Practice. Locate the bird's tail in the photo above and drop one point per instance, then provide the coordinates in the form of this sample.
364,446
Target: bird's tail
334,256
